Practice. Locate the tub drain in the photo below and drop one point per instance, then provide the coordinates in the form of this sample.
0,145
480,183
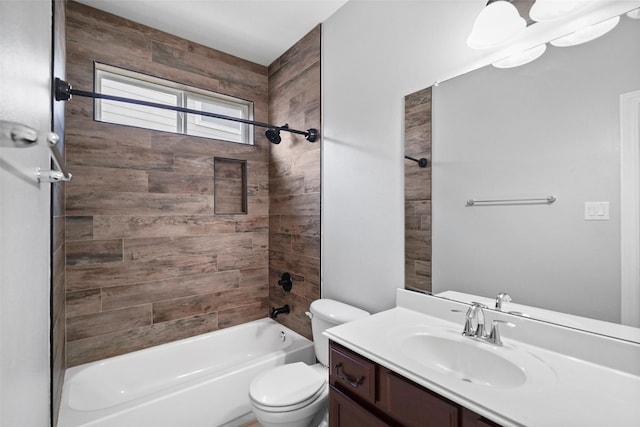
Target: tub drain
283,336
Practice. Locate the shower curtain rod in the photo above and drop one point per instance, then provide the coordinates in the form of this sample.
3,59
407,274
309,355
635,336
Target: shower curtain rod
422,162
63,92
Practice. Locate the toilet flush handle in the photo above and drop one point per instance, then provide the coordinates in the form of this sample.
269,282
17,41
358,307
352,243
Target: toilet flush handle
309,314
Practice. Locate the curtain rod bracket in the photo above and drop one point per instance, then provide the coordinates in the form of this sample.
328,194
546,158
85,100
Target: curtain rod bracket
61,90
312,134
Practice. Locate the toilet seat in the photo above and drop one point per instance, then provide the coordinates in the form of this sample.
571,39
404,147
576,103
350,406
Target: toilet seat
287,387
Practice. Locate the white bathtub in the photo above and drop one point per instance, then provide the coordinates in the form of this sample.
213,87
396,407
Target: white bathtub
196,382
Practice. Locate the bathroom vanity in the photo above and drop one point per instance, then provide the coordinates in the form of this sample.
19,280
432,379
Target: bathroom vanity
364,393
411,366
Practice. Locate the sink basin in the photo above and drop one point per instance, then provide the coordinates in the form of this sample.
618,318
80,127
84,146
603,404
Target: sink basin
467,361
445,352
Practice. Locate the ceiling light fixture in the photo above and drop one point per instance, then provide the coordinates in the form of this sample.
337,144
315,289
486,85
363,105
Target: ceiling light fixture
548,10
521,58
634,14
587,34
498,22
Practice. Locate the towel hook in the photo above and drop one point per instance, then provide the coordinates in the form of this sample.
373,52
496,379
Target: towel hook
14,134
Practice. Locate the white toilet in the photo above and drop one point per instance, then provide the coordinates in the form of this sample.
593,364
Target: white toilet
296,394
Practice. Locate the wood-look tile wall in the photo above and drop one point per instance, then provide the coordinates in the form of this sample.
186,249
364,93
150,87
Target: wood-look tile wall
147,260
417,191
294,178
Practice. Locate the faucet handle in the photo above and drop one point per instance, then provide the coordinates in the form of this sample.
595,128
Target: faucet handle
494,336
468,328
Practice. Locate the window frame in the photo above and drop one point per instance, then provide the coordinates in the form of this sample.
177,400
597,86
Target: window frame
184,94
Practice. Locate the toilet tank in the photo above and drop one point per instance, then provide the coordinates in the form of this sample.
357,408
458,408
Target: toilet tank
327,313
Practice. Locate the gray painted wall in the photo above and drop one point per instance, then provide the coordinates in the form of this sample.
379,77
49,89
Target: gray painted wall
551,127
25,45
368,66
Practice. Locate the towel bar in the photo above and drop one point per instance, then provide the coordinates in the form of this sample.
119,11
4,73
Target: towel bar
548,200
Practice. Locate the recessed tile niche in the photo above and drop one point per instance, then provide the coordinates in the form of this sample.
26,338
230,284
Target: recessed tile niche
229,186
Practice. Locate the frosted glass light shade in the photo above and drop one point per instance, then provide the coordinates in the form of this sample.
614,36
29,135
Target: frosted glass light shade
497,23
634,14
548,10
587,34
521,58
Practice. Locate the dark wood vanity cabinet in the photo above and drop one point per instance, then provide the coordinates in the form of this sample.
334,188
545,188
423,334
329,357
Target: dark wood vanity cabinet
344,411
363,393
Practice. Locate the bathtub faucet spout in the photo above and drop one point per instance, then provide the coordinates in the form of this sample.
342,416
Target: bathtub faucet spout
280,310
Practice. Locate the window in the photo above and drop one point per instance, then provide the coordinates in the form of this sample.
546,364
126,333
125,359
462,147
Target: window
128,84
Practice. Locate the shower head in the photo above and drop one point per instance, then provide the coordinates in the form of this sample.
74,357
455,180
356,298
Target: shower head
273,135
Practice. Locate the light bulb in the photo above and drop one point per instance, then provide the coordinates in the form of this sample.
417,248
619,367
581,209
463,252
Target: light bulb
634,14
548,10
497,23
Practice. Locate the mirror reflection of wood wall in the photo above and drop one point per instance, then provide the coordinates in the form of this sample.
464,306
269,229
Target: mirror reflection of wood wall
417,191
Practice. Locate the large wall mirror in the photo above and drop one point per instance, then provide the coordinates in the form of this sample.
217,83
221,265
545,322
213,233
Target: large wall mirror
549,128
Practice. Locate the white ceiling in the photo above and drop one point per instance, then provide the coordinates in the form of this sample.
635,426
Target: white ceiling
257,30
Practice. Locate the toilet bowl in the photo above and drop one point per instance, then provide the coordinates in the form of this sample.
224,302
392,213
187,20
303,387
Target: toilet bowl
297,394
290,395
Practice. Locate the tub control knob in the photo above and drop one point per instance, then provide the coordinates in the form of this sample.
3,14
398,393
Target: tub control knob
286,282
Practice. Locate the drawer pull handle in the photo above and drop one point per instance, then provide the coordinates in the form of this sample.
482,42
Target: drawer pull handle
346,378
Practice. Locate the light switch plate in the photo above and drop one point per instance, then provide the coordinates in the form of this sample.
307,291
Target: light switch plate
596,211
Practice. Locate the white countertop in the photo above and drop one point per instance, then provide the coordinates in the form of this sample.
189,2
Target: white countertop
571,392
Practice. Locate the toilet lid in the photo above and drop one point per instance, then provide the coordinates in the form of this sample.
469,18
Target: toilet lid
286,385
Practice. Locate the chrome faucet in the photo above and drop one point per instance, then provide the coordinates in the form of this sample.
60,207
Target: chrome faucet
502,297
475,312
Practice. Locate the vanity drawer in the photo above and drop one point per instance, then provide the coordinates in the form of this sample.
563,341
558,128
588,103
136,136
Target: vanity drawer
344,412
352,373
414,406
